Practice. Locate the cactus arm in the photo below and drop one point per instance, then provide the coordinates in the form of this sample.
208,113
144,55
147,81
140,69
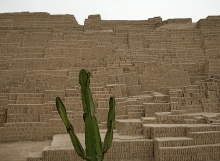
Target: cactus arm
75,141
62,112
95,129
110,125
92,135
89,139
87,100
111,112
77,145
108,139
89,96
98,140
89,133
83,84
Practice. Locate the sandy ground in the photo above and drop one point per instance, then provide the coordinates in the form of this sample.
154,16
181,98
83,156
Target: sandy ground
19,151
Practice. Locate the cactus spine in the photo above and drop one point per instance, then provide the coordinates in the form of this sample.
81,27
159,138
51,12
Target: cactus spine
94,149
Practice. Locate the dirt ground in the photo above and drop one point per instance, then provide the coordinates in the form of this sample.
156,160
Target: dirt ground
19,151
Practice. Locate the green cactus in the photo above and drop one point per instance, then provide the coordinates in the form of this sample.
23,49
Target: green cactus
94,149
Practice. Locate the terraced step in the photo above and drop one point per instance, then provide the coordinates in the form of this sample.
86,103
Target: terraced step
129,126
173,141
21,118
96,84
69,113
190,121
74,72
149,120
25,131
59,127
30,98
34,156
135,115
70,116
204,135
135,111
213,121
101,94
192,108
208,152
160,98
121,117
72,99
151,131
98,89
152,108
201,128
135,108
175,130
76,106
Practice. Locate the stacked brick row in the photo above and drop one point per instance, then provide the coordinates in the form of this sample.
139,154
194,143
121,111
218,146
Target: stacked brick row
120,149
201,143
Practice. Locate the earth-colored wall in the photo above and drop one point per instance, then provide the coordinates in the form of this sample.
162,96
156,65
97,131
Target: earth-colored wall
160,72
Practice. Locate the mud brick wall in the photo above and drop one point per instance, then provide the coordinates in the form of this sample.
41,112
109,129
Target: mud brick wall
30,52
120,149
178,20
162,72
94,22
169,119
156,75
133,86
181,154
141,148
212,66
211,22
163,131
25,130
11,78
151,108
126,127
42,64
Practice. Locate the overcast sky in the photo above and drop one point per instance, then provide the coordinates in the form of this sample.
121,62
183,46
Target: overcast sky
118,9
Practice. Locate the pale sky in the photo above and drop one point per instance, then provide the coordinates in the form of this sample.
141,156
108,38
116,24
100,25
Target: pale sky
118,9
